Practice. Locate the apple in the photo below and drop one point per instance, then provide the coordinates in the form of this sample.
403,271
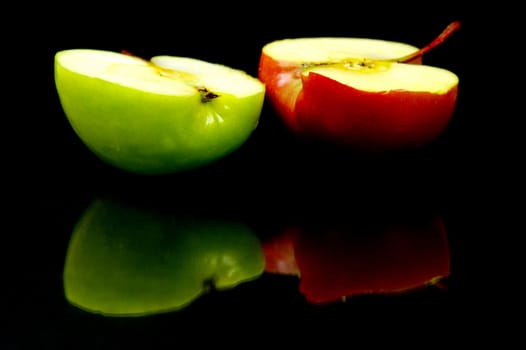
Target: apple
338,261
368,94
127,260
157,116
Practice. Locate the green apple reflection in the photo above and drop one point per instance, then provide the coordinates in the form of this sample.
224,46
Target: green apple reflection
124,260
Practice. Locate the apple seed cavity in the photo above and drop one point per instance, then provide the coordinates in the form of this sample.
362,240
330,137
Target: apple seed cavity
189,78
365,65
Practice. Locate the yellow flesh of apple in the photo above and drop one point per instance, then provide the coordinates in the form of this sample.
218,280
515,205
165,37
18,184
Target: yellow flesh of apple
398,76
183,77
328,57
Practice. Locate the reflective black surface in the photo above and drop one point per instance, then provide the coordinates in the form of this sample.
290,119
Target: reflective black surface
275,181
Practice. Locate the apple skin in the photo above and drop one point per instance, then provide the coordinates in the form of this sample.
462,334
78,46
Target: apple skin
318,108
283,82
371,120
149,133
126,260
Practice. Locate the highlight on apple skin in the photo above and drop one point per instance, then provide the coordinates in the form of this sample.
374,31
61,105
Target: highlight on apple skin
128,260
358,92
157,116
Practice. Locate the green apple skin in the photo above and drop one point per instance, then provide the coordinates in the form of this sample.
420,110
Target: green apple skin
150,133
124,260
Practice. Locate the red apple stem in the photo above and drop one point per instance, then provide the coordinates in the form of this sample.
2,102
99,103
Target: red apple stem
446,33
129,53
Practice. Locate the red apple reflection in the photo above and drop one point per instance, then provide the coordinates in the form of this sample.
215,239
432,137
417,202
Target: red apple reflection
279,253
349,260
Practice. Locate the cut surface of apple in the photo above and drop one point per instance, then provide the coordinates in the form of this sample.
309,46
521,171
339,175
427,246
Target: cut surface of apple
156,116
389,76
335,49
353,91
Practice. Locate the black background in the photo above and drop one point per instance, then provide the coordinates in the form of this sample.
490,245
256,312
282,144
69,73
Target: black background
272,180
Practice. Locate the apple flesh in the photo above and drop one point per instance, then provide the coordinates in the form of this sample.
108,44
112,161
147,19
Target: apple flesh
353,92
159,116
126,260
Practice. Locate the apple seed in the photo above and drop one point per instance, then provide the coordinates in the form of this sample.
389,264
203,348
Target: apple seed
206,95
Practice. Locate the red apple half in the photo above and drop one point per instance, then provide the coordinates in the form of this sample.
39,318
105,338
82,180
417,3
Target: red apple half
355,92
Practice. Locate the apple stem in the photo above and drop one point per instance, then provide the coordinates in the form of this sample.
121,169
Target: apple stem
450,29
126,52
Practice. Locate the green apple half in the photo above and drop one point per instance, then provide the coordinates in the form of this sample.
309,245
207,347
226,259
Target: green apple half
125,260
159,116
355,92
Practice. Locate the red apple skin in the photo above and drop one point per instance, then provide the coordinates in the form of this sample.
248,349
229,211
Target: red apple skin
342,263
321,108
331,111
283,85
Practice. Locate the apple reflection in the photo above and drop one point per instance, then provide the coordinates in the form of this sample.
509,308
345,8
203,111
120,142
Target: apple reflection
127,260
338,260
